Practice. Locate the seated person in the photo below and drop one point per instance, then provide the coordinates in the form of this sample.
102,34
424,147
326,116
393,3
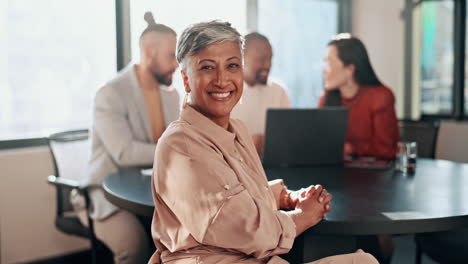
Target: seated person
130,113
350,81
213,203
260,92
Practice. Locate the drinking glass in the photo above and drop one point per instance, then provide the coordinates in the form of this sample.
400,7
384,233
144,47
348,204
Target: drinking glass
406,157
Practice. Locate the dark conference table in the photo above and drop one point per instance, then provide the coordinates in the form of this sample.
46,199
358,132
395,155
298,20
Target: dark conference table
365,201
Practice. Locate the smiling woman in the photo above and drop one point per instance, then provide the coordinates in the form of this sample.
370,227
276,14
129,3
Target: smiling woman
216,81
213,203
212,69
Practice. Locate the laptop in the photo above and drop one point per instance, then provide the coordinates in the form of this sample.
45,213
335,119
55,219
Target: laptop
305,137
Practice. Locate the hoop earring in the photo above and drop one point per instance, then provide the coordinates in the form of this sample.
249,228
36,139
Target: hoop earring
184,104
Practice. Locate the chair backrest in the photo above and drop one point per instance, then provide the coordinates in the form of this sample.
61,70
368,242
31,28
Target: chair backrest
70,154
452,142
423,133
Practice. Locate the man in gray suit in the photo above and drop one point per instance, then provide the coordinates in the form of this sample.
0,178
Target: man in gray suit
130,113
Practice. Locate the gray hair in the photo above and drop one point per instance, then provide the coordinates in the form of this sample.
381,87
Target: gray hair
199,36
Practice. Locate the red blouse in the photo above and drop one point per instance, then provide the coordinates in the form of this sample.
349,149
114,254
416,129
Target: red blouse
372,123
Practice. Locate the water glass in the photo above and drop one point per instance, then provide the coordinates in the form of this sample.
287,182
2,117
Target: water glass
406,157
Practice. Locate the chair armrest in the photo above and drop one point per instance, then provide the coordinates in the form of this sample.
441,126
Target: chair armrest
63,182
72,184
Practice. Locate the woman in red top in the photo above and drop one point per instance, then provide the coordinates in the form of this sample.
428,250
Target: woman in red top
350,81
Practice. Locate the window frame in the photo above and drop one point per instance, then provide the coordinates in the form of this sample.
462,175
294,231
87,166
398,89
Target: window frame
459,60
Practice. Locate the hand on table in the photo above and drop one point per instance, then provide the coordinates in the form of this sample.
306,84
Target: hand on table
311,206
324,196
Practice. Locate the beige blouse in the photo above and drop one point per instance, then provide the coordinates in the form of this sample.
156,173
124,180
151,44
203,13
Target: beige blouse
213,203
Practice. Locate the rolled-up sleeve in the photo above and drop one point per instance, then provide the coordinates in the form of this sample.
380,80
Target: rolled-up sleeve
204,194
277,186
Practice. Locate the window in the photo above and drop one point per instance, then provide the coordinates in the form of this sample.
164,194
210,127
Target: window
178,14
437,57
299,32
57,54
443,64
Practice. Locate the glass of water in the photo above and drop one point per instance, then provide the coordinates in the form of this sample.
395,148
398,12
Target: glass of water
406,157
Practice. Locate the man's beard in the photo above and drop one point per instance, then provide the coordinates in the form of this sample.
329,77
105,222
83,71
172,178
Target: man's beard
260,79
165,78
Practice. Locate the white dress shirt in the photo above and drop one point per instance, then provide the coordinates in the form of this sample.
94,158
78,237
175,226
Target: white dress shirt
256,101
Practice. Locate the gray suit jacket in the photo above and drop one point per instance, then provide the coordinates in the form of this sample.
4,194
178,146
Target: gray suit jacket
121,133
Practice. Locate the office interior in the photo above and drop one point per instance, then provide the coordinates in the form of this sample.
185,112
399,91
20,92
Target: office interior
57,54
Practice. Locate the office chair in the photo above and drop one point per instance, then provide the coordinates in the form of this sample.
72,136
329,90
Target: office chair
449,246
69,151
421,132
452,141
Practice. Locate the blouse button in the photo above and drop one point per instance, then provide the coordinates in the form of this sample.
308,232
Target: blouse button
226,187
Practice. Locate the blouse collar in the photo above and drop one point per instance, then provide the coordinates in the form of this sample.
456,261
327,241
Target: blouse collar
218,134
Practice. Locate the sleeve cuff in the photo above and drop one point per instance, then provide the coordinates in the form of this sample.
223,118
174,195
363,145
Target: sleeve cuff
276,186
289,231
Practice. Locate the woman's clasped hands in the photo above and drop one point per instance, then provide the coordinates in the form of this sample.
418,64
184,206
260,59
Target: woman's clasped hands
309,206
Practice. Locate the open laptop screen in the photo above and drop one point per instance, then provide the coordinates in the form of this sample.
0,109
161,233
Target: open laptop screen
305,137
